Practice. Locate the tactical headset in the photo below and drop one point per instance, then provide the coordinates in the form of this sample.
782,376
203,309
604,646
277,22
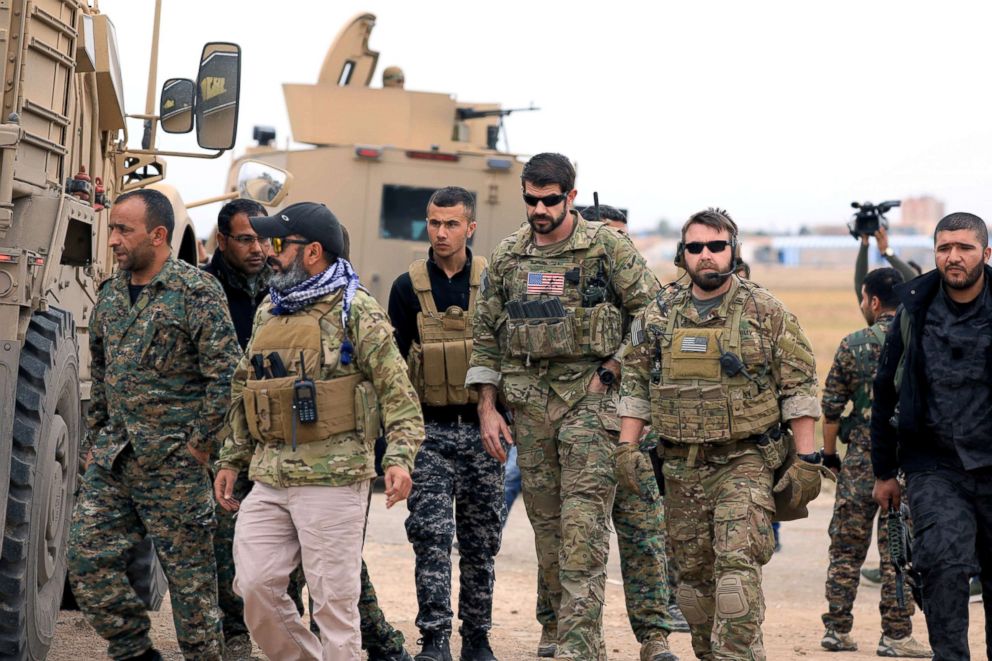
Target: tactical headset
735,245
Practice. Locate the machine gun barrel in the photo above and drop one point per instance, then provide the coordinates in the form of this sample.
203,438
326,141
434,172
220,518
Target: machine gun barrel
472,113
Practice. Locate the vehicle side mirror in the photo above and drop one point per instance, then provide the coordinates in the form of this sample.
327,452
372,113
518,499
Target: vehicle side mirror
263,183
175,108
218,89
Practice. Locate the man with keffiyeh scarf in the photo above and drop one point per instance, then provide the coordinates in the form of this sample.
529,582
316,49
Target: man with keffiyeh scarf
312,477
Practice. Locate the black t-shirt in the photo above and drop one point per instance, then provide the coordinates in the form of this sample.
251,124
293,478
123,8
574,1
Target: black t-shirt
134,291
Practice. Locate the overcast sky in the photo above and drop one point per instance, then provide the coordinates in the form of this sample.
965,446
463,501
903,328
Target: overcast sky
781,112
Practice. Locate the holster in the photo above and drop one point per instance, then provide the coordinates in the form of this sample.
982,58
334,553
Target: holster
657,463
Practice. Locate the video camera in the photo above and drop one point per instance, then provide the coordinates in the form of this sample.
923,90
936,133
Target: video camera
869,217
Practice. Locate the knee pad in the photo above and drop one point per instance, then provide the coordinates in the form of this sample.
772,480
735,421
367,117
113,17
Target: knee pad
696,607
731,600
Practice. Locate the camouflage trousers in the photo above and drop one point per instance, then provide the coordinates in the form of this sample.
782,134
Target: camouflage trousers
719,518
452,468
850,537
377,633
173,501
566,465
639,521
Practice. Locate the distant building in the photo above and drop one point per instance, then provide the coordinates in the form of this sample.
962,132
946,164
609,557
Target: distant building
920,214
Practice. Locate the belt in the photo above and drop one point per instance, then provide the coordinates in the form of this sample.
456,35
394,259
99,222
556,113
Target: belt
693,452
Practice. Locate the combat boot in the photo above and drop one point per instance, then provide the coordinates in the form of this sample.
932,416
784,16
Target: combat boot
475,647
902,647
434,647
238,648
657,649
873,576
548,645
150,654
399,655
838,642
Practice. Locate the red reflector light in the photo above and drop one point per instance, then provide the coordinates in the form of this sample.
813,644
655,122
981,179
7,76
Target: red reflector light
368,152
6,258
432,156
39,261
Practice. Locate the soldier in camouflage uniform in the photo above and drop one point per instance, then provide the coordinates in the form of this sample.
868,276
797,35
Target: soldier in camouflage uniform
431,307
548,333
718,420
309,444
850,379
163,350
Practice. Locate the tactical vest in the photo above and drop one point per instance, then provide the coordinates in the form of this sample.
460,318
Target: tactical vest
587,328
694,401
346,404
866,361
439,362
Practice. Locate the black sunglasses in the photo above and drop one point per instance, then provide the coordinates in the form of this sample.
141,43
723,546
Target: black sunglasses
549,200
696,247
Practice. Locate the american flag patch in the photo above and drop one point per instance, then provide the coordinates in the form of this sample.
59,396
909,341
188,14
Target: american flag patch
546,283
695,344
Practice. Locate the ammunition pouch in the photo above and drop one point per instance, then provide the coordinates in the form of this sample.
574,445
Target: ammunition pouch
773,448
345,404
595,331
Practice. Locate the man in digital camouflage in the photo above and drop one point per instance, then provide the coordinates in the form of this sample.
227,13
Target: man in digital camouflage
548,333
715,367
320,376
850,379
240,264
431,307
163,350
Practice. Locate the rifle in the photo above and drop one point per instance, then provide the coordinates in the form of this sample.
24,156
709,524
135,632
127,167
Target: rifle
901,556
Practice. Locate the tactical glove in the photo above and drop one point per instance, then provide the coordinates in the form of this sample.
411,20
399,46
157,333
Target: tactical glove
801,483
628,466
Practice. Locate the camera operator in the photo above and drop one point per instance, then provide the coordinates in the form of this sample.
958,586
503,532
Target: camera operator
861,264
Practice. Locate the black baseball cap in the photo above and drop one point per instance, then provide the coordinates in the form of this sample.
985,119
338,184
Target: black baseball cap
310,220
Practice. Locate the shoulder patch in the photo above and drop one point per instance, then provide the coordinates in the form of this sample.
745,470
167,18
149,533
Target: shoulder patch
484,286
637,334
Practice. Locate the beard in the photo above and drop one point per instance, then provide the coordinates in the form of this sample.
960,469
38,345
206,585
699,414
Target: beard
283,281
963,281
137,258
707,281
555,221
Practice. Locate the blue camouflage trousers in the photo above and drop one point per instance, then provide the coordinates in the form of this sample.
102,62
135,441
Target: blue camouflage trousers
457,489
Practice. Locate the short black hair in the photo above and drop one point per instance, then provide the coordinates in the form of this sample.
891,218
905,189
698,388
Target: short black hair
606,214
158,209
548,169
714,218
250,208
452,196
882,283
964,221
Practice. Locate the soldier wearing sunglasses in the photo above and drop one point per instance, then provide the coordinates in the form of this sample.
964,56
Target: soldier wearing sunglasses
716,368
547,339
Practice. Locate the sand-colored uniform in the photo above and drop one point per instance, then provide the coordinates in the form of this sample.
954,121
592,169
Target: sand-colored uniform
718,477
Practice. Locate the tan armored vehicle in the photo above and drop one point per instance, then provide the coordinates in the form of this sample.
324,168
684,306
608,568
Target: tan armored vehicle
379,153
64,156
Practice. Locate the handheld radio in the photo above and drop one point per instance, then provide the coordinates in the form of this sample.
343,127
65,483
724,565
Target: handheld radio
304,397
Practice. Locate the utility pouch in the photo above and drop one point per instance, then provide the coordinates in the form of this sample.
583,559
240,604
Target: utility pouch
604,329
269,409
549,337
695,353
773,449
847,425
435,388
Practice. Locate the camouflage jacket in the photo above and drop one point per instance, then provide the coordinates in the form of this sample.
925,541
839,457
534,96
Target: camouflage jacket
774,348
630,285
344,458
161,368
850,379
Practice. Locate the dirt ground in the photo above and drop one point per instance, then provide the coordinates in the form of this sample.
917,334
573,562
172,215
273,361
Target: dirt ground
793,587
825,304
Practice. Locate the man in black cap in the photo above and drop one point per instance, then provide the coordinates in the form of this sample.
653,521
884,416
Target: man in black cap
320,372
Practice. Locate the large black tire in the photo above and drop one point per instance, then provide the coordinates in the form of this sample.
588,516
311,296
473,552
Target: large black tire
43,469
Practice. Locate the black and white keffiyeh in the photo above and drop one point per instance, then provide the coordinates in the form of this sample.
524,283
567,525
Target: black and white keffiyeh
338,275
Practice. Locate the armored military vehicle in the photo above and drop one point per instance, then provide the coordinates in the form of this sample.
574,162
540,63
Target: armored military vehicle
64,156
378,154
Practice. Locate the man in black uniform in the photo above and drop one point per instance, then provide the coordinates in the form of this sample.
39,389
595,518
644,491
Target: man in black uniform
932,419
431,308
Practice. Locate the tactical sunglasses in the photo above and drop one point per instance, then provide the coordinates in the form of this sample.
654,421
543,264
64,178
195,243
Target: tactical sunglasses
549,200
279,244
696,247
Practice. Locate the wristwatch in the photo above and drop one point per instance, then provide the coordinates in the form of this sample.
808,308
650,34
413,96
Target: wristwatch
889,252
606,377
811,458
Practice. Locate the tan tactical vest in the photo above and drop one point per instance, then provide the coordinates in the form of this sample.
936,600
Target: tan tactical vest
695,401
595,331
438,362
346,403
